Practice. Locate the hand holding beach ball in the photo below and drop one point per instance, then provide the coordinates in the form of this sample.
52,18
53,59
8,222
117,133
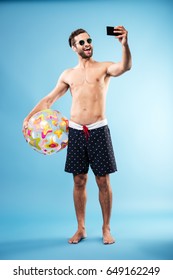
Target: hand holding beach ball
47,132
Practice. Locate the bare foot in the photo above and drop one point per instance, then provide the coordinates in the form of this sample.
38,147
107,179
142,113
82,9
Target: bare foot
77,237
107,237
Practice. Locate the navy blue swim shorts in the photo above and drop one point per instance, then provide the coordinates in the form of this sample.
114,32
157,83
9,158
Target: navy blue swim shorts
90,148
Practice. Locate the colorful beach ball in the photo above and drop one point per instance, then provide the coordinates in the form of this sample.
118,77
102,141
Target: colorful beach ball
47,132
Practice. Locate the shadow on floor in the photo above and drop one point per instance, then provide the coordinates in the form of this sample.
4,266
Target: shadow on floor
87,249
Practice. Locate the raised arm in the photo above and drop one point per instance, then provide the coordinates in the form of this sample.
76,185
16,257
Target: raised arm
116,69
45,103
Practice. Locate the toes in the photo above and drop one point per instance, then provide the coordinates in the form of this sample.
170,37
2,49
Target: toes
73,241
106,242
76,240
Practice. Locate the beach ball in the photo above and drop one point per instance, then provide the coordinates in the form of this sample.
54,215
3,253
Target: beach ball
47,132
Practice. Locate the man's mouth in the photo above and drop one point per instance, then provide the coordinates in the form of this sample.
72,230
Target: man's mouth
87,49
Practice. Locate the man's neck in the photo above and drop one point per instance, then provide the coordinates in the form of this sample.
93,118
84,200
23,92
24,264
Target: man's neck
85,62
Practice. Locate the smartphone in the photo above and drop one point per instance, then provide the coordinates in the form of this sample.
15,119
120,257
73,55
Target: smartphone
110,31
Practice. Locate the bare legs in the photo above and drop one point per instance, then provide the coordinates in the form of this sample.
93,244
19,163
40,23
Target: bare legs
80,198
105,198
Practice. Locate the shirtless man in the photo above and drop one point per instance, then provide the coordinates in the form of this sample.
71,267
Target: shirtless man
89,136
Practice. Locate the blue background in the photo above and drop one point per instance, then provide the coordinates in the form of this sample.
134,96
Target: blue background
36,205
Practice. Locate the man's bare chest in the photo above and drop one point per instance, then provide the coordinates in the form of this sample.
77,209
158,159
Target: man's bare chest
86,77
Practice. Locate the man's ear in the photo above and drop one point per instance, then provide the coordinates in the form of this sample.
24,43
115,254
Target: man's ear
73,48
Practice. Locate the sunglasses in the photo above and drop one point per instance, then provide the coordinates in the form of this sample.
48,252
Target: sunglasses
82,42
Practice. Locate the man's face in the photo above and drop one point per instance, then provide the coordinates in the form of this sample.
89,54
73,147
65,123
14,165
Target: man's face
83,45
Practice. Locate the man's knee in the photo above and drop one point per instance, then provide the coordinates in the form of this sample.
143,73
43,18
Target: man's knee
80,180
103,182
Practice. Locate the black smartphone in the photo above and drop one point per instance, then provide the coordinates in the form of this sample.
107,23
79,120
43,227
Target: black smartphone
110,31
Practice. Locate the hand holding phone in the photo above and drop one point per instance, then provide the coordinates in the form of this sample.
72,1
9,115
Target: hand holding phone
110,31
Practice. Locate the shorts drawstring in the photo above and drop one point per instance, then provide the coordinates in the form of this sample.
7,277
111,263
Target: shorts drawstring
86,132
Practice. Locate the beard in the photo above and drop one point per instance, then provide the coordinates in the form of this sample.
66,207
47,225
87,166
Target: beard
85,54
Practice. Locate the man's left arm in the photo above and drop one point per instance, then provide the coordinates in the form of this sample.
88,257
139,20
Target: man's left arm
116,69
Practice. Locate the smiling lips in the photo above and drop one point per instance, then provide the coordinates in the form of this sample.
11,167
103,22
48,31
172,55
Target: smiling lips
87,49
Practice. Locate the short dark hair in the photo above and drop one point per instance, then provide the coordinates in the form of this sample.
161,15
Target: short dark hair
74,34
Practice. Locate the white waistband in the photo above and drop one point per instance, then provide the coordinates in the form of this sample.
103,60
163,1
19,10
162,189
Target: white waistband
89,126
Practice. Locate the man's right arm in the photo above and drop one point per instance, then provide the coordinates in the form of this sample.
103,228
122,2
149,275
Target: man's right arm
45,103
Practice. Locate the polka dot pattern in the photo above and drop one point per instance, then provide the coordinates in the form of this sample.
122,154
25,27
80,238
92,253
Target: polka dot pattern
96,152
